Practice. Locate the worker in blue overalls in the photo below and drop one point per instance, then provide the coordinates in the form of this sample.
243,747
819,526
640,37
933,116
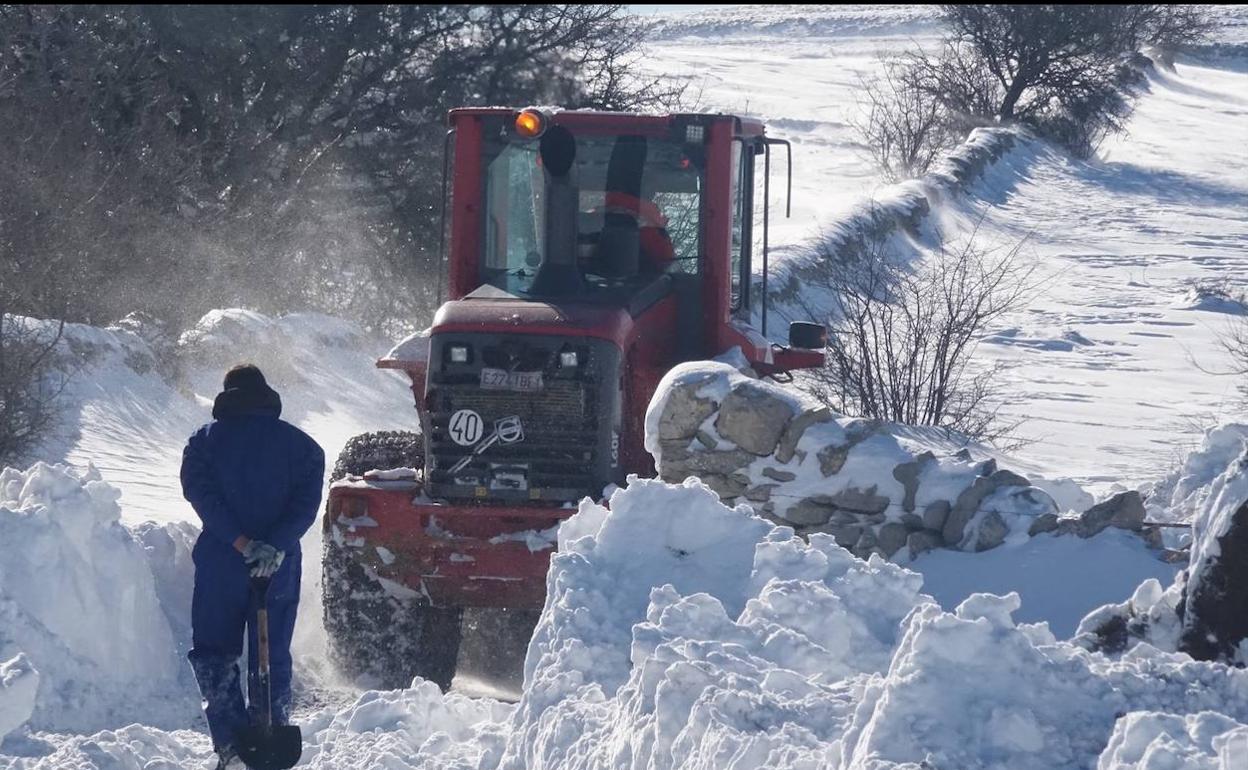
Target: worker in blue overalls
255,482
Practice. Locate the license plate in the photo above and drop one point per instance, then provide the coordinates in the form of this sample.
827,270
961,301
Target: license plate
499,379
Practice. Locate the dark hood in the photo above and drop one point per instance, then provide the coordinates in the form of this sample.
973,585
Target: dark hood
237,402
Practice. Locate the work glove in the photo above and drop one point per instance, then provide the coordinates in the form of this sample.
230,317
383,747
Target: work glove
263,558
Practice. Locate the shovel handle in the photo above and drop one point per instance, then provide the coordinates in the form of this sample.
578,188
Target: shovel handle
260,590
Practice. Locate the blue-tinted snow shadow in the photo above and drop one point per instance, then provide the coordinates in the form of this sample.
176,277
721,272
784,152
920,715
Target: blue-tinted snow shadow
1060,579
1161,185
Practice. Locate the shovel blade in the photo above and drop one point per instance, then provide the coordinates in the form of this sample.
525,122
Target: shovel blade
270,748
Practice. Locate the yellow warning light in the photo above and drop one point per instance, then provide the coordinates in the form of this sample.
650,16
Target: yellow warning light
530,124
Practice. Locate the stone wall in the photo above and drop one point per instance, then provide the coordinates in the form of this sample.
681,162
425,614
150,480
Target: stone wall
901,208
875,487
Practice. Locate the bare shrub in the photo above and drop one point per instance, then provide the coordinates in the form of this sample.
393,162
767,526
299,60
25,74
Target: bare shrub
1234,342
1069,72
902,337
904,127
28,386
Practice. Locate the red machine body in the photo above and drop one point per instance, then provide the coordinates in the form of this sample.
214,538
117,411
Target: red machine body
476,527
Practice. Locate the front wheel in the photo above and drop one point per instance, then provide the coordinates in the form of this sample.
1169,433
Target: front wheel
380,450
376,634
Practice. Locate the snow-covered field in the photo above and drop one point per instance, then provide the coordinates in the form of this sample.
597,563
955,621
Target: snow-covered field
680,633
1105,360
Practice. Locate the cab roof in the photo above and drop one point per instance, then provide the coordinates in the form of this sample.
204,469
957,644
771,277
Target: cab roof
601,119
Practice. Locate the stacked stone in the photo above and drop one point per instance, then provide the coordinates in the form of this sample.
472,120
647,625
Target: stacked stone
759,426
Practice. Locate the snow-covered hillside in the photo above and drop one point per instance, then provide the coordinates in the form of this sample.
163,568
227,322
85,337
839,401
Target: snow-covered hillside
1105,363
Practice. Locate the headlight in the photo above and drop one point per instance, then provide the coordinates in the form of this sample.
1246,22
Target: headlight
459,354
568,359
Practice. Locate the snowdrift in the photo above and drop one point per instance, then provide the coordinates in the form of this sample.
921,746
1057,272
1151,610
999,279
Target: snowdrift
134,394
816,659
898,210
79,605
681,633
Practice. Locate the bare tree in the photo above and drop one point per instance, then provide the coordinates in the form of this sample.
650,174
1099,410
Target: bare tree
1069,72
1065,70
171,159
902,337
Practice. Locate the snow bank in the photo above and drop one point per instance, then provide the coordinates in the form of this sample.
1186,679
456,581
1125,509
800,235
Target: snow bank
78,599
134,395
677,630
973,689
19,685
1185,491
654,652
682,633
1150,740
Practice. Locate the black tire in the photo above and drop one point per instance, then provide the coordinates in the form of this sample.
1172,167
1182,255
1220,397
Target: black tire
374,634
381,450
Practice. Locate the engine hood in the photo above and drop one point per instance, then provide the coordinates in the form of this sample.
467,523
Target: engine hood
504,314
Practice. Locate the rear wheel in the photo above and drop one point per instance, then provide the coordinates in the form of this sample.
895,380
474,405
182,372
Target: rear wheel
380,450
384,637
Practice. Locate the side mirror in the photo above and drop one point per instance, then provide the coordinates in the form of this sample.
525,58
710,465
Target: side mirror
806,335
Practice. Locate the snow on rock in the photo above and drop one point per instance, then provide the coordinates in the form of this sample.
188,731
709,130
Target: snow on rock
19,683
1215,621
1203,611
877,488
78,599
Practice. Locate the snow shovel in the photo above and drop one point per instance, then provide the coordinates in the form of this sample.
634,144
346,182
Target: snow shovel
266,746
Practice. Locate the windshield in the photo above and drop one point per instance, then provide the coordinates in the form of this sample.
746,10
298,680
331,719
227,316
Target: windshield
638,208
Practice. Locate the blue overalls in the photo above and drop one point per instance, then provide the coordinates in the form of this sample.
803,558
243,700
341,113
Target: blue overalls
247,473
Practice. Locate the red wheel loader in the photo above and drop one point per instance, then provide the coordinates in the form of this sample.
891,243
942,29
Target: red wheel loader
589,253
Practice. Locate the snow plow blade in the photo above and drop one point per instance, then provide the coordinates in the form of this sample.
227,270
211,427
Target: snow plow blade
450,555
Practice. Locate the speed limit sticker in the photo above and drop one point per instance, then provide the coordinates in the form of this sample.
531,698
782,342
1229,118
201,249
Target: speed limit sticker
466,427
